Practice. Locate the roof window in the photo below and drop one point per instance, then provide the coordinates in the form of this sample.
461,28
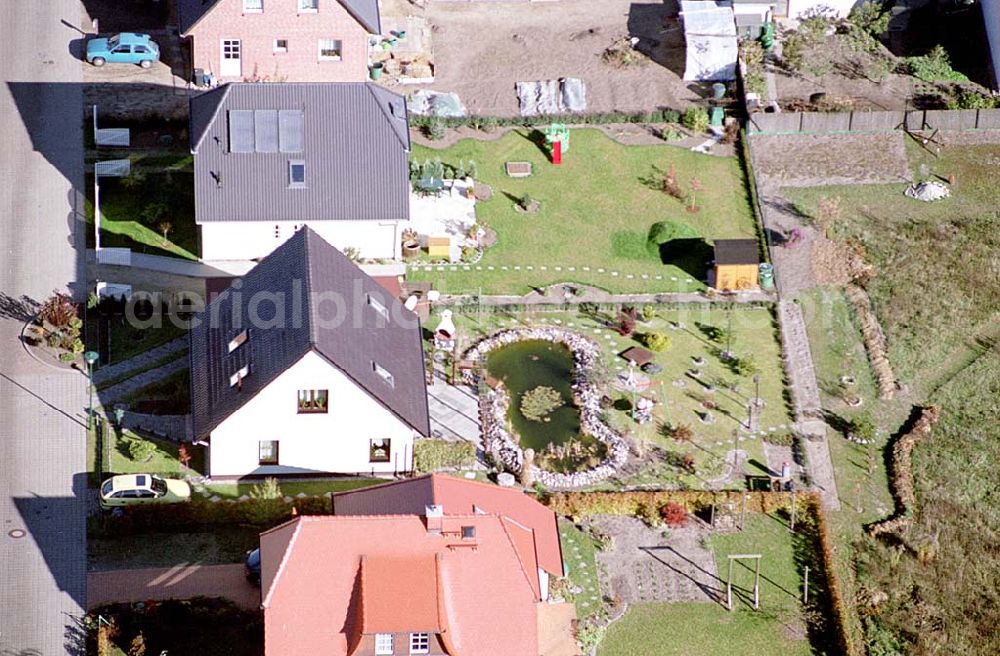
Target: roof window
383,373
238,341
296,173
378,306
236,380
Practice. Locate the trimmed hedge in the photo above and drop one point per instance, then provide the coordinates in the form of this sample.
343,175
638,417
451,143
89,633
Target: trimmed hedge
835,598
751,182
200,513
487,123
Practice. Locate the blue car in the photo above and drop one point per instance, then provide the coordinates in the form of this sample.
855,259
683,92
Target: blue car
124,48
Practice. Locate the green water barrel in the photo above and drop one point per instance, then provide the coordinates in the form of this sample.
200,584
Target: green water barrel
766,275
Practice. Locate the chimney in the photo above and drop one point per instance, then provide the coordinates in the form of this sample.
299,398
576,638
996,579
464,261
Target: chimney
434,516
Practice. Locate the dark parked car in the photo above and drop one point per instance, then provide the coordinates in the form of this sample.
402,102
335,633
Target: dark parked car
252,566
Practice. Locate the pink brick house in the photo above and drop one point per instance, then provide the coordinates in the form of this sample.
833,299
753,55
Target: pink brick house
280,40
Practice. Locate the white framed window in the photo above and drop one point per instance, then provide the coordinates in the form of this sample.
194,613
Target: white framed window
308,6
267,452
238,377
378,306
331,49
296,173
420,643
238,341
281,45
383,373
253,6
383,643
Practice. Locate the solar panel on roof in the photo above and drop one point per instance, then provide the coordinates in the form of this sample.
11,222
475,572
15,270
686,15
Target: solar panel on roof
290,130
241,138
265,130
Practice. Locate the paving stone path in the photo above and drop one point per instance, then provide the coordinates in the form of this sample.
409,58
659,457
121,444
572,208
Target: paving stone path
123,389
454,412
140,362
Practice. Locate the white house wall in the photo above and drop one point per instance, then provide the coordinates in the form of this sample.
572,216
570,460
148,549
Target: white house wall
248,240
335,441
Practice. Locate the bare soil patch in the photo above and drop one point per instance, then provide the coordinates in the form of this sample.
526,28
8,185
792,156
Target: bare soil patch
480,50
642,565
808,160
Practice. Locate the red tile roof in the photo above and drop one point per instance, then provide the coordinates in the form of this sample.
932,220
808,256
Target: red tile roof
460,496
340,577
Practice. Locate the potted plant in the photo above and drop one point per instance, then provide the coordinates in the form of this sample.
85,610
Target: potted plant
411,244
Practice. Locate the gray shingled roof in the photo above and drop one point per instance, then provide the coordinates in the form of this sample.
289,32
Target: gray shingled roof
364,11
312,266
354,142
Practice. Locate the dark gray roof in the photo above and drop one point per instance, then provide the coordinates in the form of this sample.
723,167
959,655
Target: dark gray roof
301,268
736,251
364,11
353,138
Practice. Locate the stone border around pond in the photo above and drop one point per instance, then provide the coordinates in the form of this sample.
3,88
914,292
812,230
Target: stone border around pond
493,405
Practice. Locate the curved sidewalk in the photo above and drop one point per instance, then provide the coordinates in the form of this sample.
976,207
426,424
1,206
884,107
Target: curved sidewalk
183,581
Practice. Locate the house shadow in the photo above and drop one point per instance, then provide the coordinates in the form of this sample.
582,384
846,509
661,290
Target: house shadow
57,525
111,17
690,255
659,32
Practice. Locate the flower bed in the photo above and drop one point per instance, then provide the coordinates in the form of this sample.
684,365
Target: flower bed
493,405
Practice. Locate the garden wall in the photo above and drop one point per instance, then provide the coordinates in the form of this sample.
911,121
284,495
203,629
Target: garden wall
840,122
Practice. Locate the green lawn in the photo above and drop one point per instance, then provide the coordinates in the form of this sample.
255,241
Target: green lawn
292,488
164,459
580,558
937,285
132,213
596,211
198,627
222,545
701,629
753,333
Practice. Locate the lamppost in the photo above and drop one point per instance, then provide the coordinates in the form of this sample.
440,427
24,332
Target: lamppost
90,357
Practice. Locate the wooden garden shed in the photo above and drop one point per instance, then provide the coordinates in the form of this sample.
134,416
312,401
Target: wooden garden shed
737,264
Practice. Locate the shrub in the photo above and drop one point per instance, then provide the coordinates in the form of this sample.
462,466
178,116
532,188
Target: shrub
58,310
695,118
870,17
970,99
525,202
779,439
663,232
266,490
656,342
538,403
138,645
681,432
745,366
435,129
431,455
648,312
674,515
140,450
935,65
793,51
862,427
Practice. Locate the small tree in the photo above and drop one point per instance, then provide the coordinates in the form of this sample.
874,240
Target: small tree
538,403
862,428
470,168
460,170
681,432
656,341
695,185
266,490
165,228
670,184
648,313
138,645
627,319
435,129
140,450
183,455
745,366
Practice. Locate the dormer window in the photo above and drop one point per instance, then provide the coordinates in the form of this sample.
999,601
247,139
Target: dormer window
420,643
236,380
238,341
296,174
383,373
378,306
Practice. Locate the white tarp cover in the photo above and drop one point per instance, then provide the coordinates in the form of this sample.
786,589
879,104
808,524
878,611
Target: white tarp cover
927,191
562,96
710,32
434,103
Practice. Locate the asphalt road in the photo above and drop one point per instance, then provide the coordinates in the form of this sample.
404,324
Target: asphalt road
42,438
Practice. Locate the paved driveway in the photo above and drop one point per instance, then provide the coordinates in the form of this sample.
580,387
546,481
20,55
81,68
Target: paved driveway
42,439
182,581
